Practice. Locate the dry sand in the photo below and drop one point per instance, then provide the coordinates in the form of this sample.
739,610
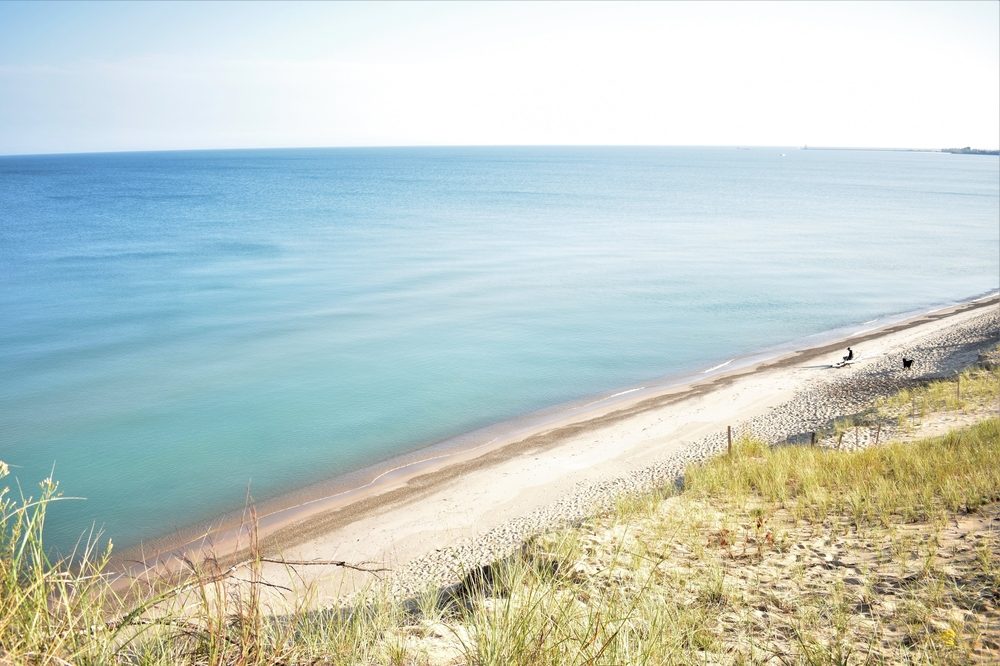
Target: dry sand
430,529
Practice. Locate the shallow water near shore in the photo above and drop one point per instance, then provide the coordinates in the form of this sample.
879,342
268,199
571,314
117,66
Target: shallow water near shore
178,326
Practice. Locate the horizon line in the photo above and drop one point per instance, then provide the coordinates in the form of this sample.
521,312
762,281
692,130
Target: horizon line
483,145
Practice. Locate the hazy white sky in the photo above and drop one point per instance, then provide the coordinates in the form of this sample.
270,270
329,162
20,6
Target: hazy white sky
118,76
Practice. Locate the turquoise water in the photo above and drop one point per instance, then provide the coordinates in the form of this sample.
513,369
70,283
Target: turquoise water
176,326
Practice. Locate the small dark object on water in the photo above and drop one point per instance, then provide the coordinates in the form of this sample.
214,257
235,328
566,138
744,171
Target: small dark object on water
850,354
907,363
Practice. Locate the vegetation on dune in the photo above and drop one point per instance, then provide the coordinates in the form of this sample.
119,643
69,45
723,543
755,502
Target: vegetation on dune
785,555
971,390
897,482
782,555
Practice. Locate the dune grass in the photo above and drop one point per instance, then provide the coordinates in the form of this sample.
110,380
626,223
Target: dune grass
972,389
683,580
66,611
46,607
918,481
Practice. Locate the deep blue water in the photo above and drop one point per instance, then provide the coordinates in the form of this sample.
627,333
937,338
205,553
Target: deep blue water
175,325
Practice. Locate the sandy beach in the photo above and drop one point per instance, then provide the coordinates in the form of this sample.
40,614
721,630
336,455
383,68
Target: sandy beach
453,511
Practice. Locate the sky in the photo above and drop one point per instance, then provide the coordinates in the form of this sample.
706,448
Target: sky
83,77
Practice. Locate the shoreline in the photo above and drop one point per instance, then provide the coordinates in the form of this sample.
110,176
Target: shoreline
294,519
953,339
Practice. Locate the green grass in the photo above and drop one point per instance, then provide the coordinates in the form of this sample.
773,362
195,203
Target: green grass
972,389
46,607
911,481
673,580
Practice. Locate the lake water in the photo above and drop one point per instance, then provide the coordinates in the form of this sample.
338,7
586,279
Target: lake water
176,326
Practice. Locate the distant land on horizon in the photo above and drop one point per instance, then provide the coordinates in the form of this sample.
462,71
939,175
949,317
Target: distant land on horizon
968,150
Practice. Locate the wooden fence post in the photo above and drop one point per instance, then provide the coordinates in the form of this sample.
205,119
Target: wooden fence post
729,437
839,440
812,438
878,431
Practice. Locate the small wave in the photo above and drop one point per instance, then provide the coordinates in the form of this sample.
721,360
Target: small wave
716,367
615,395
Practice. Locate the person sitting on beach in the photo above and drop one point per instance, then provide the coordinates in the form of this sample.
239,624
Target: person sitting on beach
850,354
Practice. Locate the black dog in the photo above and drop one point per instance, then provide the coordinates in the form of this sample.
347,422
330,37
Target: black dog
907,362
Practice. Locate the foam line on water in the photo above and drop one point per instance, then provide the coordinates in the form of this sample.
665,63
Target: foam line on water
615,395
716,367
